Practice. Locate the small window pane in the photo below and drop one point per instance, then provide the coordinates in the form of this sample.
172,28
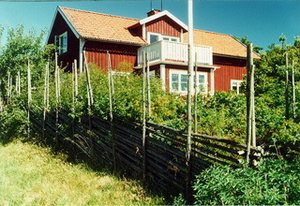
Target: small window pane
183,78
153,38
174,40
201,79
183,86
166,38
175,78
175,86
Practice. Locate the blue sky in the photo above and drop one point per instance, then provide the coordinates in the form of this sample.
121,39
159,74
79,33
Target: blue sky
263,21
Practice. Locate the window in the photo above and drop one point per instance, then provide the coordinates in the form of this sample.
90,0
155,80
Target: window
236,85
179,81
61,42
202,83
154,37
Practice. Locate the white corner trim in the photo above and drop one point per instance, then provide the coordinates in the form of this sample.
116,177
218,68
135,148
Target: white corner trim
68,22
212,81
81,48
59,10
163,13
162,75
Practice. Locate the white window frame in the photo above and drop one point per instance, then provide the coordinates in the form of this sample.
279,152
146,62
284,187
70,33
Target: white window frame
181,72
237,83
59,41
160,37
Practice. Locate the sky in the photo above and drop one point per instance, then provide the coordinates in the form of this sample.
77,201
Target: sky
262,21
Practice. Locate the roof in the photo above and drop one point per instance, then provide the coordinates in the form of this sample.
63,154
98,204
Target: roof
97,26
222,44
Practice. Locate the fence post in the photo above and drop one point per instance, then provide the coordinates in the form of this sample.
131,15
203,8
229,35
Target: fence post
293,90
287,102
46,97
29,97
57,98
111,102
195,97
148,87
144,114
90,99
189,98
251,127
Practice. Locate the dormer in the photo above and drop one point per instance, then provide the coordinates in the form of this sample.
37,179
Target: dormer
160,25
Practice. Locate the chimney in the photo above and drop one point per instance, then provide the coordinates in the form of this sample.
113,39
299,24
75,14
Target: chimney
153,11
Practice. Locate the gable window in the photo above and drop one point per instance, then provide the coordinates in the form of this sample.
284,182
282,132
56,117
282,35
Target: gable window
61,41
179,78
155,37
236,85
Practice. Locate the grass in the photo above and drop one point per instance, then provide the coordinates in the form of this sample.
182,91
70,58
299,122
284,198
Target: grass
31,175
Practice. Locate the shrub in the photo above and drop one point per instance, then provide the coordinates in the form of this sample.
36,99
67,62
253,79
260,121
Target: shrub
273,182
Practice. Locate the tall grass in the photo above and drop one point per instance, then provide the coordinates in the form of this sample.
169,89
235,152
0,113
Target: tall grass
30,175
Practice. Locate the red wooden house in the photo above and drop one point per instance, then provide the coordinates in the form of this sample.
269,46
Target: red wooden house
220,59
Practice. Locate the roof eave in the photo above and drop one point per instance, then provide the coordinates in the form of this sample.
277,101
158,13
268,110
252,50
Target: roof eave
114,41
60,11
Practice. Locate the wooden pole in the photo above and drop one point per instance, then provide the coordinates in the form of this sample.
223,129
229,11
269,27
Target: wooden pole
287,102
249,99
144,115
46,98
189,96
195,97
57,98
253,123
293,90
8,87
76,80
29,97
111,104
148,88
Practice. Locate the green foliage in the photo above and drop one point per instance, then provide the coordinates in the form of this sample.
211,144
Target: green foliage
13,124
20,48
273,182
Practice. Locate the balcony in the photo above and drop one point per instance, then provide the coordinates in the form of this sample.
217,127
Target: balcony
167,51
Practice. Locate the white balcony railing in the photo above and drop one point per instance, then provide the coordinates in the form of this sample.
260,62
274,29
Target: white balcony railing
174,51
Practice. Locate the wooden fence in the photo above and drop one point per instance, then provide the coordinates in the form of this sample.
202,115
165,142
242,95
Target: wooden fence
162,160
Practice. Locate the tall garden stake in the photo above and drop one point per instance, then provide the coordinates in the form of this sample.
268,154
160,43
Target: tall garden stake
46,97
189,97
251,127
195,96
57,98
148,88
90,98
29,97
111,105
293,90
287,102
144,114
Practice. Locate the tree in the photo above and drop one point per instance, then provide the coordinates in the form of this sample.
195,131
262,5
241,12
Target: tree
20,48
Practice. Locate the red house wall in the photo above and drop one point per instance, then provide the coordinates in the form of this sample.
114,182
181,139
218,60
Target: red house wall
165,26
59,27
230,68
96,52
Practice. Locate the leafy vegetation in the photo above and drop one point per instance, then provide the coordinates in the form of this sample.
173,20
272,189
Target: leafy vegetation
272,183
31,175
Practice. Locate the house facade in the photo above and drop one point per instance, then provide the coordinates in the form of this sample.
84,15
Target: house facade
220,60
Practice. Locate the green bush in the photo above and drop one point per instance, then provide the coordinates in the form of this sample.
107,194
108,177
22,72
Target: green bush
273,182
